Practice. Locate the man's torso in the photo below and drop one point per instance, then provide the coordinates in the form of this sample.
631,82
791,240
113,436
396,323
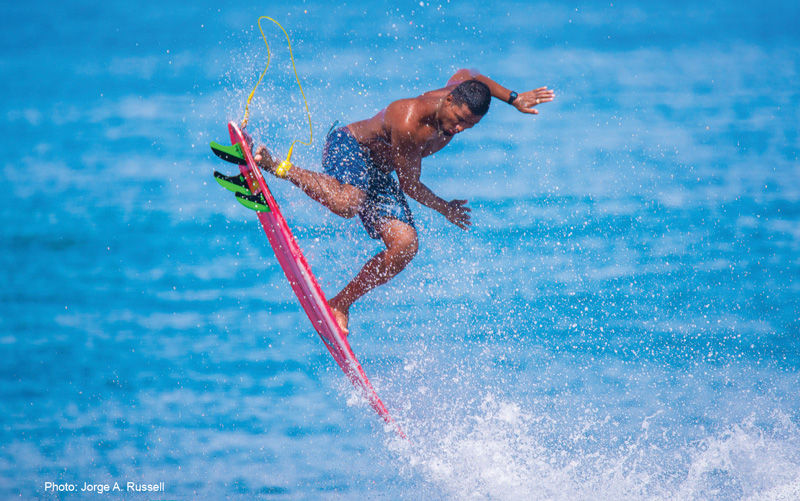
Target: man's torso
413,116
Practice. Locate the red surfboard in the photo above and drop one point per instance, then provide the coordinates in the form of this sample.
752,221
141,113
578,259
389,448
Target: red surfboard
303,282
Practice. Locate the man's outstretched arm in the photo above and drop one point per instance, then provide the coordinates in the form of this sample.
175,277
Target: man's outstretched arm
524,102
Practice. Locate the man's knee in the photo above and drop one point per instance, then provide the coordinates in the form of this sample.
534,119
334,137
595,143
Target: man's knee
352,198
401,241
409,245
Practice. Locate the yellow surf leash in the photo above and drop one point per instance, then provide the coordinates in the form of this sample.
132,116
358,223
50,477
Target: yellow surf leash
284,166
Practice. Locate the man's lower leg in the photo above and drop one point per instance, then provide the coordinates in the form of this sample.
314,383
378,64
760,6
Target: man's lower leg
401,243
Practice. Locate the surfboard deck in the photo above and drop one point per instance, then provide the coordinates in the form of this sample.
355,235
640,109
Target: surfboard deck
303,282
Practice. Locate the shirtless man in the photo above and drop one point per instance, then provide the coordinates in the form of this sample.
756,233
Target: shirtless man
358,160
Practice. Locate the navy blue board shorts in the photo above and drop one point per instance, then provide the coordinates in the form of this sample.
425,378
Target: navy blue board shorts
344,160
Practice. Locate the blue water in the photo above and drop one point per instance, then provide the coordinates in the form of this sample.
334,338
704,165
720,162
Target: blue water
621,323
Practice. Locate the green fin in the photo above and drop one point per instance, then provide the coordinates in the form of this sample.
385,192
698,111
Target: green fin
253,202
236,184
232,154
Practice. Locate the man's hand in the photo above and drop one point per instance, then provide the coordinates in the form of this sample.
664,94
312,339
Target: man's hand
527,100
457,213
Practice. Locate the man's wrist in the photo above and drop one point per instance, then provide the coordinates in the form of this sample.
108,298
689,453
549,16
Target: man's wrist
443,206
512,97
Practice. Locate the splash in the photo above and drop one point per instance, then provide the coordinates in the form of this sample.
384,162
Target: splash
490,445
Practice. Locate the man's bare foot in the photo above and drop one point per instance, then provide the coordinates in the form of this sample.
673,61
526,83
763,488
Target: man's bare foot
264,160
342,315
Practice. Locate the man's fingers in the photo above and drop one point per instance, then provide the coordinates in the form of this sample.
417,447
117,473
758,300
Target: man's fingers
539,96
462,222
459,214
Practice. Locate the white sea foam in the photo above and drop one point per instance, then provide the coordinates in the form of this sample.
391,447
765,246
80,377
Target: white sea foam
470,438
502,451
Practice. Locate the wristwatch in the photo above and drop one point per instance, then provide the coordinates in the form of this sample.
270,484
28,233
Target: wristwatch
512,97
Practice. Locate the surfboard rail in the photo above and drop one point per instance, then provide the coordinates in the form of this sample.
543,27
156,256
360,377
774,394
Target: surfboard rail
304,283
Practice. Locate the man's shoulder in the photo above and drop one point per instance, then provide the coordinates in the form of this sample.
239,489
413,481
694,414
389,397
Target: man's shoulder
404,119
409,113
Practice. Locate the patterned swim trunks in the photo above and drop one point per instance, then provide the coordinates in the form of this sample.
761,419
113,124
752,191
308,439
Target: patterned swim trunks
344,160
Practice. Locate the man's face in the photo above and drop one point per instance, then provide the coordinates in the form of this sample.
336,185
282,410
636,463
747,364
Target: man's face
457,118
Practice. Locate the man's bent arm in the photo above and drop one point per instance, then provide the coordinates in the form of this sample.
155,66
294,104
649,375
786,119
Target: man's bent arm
497,90
524,102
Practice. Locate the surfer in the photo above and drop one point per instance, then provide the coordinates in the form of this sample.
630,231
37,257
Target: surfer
358,160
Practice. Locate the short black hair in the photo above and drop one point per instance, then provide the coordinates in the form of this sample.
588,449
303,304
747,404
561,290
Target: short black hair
476,95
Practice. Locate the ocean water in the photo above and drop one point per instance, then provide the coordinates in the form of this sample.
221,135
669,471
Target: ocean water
621,322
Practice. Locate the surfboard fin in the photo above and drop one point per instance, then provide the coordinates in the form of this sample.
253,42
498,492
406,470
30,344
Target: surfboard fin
253,202
232,153
236,184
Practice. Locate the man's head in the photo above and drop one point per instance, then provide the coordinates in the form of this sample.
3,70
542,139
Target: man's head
464,107
474,94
